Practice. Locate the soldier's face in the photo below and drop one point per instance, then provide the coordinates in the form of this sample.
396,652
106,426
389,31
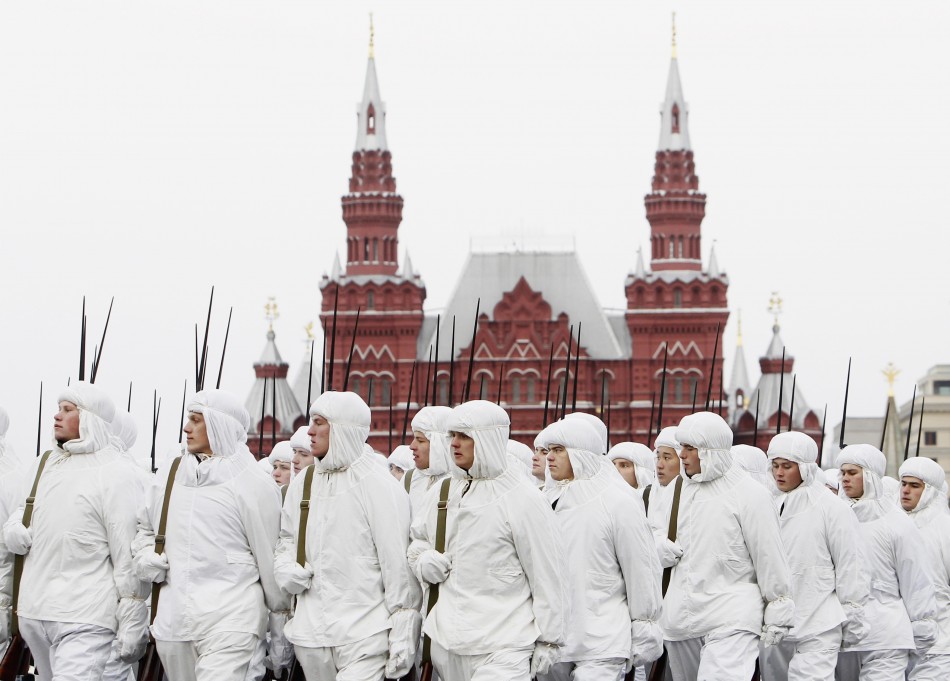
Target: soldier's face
538,462
463,450
787,474
302,459
911,489
420,449
319,433
66,422
667,465
559,463
196,434
627,471
852,481
689,456
281,472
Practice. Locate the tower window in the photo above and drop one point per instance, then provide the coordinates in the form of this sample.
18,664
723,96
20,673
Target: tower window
371,120
672,249
366,249
375,249
675,122
677,298
370,300
681,246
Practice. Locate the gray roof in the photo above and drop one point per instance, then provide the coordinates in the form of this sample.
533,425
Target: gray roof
671,276
740,373
558,276
767,389
300,380
674,95
288,409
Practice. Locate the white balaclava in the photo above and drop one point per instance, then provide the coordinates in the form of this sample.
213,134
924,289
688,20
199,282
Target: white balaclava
873,503
933,500
431,422
226,421
349,420
282,451
402,458
712,436
581,441
523,455
300,439
801,449
642,458
124,430
667,438
487,424
831,478
599,427
539,444
96,412
756,463
892,488
5,447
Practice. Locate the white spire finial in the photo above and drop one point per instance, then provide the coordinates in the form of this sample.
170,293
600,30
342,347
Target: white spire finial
372,36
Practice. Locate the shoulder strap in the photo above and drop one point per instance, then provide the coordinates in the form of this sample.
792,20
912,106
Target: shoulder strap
18,559
646,498
407,478
162,524
283,493
671,532
304,516
442,513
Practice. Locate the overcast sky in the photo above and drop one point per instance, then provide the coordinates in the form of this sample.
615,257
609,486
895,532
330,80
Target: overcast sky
152,150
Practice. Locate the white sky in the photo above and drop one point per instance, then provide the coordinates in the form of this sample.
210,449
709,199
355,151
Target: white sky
150,150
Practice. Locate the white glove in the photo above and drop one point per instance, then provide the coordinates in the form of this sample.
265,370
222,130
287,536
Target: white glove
772,634
855,628
18,537
132,634
405,627
292,578
669,553
646,642
150,566
545,656
280,652
925,634
433,567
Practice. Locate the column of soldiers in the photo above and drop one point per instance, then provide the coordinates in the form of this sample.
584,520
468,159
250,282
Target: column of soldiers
588,563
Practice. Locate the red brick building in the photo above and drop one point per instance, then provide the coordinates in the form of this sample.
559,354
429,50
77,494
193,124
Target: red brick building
529,303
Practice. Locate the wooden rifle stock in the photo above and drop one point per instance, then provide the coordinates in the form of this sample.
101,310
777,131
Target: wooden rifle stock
16,660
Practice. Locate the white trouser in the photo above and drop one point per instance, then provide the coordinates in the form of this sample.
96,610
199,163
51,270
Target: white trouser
116,669
811,659
364,660
929,667
613,669
716,657
228,656
873,665
509,664
65,651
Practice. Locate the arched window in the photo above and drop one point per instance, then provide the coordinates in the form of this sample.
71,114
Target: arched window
677,298
366,249
529,382
370,390
370,120
443,390
672,248
375,249
370,300
675,119
681,247
516,389
678,390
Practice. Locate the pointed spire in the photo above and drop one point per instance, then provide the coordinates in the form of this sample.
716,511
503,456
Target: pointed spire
714,263
337,270
407,271
674,129
640,272
739,381
371,112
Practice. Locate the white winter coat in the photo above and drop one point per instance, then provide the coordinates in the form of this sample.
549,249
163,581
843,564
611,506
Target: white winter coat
933,520
900,567
80,564
612,571
11,469
505,588
223,521
733,574
821,538
357,535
